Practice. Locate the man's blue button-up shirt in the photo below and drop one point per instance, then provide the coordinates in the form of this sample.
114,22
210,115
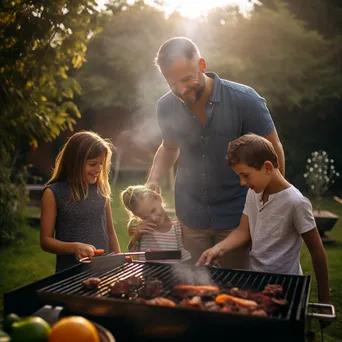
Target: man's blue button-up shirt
207,191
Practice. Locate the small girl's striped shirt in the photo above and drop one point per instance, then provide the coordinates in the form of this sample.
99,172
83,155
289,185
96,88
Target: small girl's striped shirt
166,241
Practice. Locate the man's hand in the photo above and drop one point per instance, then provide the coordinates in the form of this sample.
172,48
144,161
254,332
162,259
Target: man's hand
153,185
210,256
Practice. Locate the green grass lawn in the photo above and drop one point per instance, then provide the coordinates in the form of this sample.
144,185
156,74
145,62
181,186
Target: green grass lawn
25,262
334,254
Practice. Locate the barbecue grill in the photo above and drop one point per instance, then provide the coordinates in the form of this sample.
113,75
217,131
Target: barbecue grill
132,321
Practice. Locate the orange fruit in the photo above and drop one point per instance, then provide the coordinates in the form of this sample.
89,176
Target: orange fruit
74,329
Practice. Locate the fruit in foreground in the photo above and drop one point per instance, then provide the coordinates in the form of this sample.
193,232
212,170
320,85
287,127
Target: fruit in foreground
30,329
9,320
74,329
4,337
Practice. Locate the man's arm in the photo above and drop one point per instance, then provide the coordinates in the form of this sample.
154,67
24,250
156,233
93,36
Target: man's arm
319,262
274,139
164,158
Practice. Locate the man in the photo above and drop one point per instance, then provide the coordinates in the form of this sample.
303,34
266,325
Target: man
198,118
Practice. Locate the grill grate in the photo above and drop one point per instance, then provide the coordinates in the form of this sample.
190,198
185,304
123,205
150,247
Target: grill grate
171,274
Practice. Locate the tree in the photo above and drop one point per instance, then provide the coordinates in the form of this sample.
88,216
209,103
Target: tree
316,124
120,71
273,52
321,15
39,42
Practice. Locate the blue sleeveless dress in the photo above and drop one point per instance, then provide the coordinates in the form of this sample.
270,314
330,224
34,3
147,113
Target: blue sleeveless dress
82,221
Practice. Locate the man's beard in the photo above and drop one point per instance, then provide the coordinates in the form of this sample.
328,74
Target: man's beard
201,87
198,92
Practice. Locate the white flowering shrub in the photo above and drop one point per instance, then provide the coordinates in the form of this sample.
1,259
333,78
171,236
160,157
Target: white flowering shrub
319,176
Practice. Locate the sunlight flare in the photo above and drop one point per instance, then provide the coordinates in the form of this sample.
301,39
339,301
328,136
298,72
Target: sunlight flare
193,8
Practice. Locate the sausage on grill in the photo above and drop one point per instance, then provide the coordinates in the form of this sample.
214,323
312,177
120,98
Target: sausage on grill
186,291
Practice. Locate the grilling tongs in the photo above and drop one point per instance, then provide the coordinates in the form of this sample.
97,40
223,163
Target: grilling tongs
112,260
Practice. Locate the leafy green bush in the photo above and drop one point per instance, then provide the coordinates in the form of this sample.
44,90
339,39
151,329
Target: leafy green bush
320,175
13,198
41,42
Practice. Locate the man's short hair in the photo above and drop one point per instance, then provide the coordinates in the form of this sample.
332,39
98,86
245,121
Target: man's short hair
251,150
174,48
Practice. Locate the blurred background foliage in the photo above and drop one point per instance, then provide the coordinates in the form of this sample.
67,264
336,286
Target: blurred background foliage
39,42
63,59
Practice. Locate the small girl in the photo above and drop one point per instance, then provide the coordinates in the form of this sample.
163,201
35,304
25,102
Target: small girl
150,226
76,216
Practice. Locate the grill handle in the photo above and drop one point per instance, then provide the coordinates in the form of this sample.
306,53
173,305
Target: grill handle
325,317
49,314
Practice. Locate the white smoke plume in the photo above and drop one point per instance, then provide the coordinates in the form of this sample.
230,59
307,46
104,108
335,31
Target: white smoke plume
195,276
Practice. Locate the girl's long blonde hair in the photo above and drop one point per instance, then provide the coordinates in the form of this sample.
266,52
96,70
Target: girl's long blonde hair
71,159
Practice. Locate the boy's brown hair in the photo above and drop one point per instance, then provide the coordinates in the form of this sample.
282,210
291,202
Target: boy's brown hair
251,150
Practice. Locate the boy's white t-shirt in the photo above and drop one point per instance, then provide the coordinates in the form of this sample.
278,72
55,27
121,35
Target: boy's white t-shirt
276,229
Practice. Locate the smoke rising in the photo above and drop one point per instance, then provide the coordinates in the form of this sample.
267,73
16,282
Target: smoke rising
194,276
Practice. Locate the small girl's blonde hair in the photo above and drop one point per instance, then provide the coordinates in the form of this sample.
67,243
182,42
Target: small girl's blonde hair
132,196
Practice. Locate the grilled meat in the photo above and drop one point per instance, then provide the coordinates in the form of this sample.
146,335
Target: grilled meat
194,303
258,297
273,290
259,312
233,300
91,283
151,289
235,291
134,287
157,301
280,302
223,298
231,307
125,287
203,297
212,306
199,288
188,291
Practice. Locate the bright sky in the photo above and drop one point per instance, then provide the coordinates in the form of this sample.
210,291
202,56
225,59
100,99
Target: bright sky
195,8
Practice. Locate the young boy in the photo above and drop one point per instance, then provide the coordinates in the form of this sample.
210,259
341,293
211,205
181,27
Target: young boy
275,219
